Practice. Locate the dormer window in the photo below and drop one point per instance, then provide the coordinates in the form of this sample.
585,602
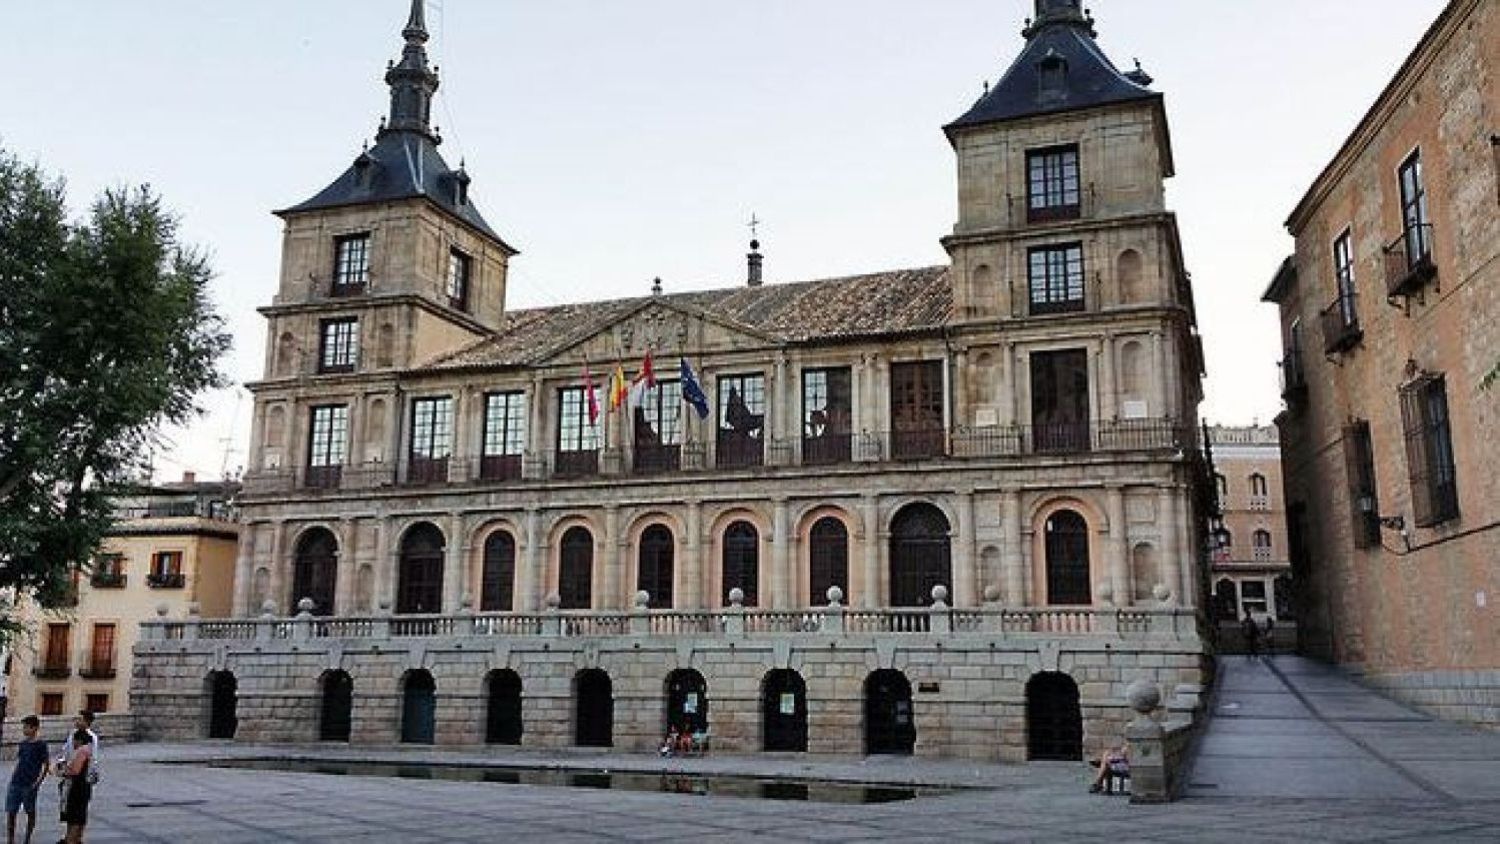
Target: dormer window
457,284
1052,184
351,264
1052,77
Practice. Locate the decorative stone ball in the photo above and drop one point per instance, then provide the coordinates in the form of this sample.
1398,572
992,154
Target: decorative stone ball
940,594
991,593
268,607
737,597
642,599
1161,592
1105,591
1143,696
162,610
553,600
385,605
305,606
193,609
835,596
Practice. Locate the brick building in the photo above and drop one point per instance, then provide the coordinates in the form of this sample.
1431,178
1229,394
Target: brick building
1388,313
1251,569
949,510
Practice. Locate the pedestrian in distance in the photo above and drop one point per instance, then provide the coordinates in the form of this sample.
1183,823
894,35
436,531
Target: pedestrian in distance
1270,635
26,778
1252,635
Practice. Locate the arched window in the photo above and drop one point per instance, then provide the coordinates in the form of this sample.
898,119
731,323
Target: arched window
654,566
1261,542
1222,483
828,559
419,587
1258,484
742,562
1067,559
497,587
920,556
315,570
1054,718
575,573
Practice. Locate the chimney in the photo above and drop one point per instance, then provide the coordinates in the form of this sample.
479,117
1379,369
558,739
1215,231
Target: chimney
754,259
189,477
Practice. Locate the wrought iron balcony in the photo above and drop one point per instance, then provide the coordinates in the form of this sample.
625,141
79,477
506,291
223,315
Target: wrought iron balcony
107,580
52,671
501,467
1408,261
421,471
166,580
98,670
1293,376
1341,329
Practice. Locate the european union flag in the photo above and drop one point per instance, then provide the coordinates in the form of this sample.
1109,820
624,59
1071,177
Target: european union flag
692,391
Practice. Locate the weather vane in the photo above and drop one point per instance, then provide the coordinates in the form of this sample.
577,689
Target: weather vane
755,226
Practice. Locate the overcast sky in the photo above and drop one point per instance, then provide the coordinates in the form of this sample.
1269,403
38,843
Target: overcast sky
612,142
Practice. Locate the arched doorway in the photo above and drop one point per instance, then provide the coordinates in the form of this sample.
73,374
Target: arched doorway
1054,721
1226,600
687,700
827,559
315,570
223,704
498,579
919,555
741,561
654,567
502,719
783,707
419,587
337,712
595,716
889,723
418,707
575,573
1067,559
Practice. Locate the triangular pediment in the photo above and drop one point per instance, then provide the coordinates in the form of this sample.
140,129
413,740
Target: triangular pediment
667,329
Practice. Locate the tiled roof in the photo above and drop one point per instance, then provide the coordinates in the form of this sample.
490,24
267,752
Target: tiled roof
896,302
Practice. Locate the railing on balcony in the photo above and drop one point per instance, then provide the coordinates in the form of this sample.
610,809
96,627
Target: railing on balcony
107,580
827,449
323,477
166,580
1293,376
1408,261
656,459
421,471
1341,330
98,669
319,479
739,451
500,467
575,464
52,670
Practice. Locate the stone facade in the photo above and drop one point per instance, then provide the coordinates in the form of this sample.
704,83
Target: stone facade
1388,310
1247,467
1015,433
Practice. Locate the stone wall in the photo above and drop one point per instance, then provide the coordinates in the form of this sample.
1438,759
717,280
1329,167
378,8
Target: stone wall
1471,697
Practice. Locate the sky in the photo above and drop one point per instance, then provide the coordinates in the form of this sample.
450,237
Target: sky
615,142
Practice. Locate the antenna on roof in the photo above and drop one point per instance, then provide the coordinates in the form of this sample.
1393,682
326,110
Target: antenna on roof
754,259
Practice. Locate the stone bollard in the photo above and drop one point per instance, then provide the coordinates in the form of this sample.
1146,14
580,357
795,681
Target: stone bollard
833,618
302,625
1148,760
263,629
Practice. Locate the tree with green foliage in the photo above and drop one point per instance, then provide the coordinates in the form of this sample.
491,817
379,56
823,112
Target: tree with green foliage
106,335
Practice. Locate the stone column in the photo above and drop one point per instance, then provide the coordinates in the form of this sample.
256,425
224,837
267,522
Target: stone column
1015,583
870,510
1008,391
387,561
1187,559
1109,394
281,584
780,409
536,431
348,566
244,572
530,577
455,551
692,558
1116,550
613,566
1159,383
960,393
1169,574
965,586
780,558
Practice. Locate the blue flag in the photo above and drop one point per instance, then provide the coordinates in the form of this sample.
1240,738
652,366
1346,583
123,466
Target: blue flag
692,391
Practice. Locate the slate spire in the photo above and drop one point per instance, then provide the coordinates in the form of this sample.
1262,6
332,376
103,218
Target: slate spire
413,82
1060,13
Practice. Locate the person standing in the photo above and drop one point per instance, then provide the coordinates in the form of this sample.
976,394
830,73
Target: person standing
76,774
1270,635
26,778
83,722
1251,630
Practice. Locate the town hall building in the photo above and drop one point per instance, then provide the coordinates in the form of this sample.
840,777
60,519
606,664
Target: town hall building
950,510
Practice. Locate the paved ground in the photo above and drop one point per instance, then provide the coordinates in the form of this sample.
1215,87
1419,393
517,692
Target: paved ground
1295,753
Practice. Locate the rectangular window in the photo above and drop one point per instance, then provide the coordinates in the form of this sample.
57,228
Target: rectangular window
1364,501
59,644
657,421
97,703
827,415
1343,271
1414,220
1429,450
338,345
52,704
166,570
431,440
456,285
327,440
1253,597
102,654
742,419
1060,400
351,264
917,410
1052,184
578,439
504,436
1055,276
109,572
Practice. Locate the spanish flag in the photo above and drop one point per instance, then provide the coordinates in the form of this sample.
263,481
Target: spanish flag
617,388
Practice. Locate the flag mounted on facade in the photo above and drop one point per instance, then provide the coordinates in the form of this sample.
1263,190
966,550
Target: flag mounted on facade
591,399
645,381
692,391
617,388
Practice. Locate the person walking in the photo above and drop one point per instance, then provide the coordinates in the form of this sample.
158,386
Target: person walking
1251,630
26,778
1270,635
79,790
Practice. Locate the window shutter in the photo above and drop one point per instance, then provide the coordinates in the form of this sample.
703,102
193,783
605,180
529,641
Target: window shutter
1414,430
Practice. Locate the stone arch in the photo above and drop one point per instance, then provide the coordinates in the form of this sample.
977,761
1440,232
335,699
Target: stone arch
713,551
803,593
419,577
552,577
1128,270
1145,572
1054,718
287,356
499,554
1095,525
890,716
576,562
336,705
740,561
920,554
474,565
654,565
315,559
827,559
418,707
385,345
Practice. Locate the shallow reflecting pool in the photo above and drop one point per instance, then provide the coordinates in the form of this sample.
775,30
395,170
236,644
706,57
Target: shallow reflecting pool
711,786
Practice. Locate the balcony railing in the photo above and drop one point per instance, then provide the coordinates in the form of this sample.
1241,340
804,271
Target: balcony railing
657,459
103,669
1341,330
1408,261
107,580
1293,376
166,580
421,471
52,671
729,622
500,467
